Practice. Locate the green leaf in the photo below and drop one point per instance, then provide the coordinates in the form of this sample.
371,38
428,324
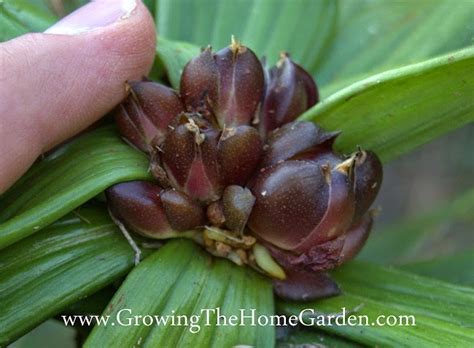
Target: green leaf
65,179
447,302
266,26
19,17
47,272
372,36
404,241
456,268
180,279
442,310
398,110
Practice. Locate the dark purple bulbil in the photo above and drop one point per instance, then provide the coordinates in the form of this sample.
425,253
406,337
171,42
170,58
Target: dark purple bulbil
229,157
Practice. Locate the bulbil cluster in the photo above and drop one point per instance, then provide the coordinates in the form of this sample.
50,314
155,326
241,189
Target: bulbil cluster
235,172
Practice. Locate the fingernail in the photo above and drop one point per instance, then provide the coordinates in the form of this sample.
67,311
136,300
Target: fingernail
96,14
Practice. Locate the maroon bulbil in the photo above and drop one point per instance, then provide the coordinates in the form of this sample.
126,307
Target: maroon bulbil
231,161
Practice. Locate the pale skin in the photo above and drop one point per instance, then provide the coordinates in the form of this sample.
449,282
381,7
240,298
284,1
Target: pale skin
54,85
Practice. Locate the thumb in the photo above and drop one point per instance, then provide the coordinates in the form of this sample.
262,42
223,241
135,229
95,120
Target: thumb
55,84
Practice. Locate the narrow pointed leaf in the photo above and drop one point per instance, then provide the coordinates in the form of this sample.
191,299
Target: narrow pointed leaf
65,179
408,291
398,110
180,279
46,273
442,310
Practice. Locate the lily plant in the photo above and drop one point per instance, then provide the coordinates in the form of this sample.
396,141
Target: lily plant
241,174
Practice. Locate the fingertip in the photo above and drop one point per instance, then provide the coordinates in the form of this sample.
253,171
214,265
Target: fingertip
132,40
62,83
